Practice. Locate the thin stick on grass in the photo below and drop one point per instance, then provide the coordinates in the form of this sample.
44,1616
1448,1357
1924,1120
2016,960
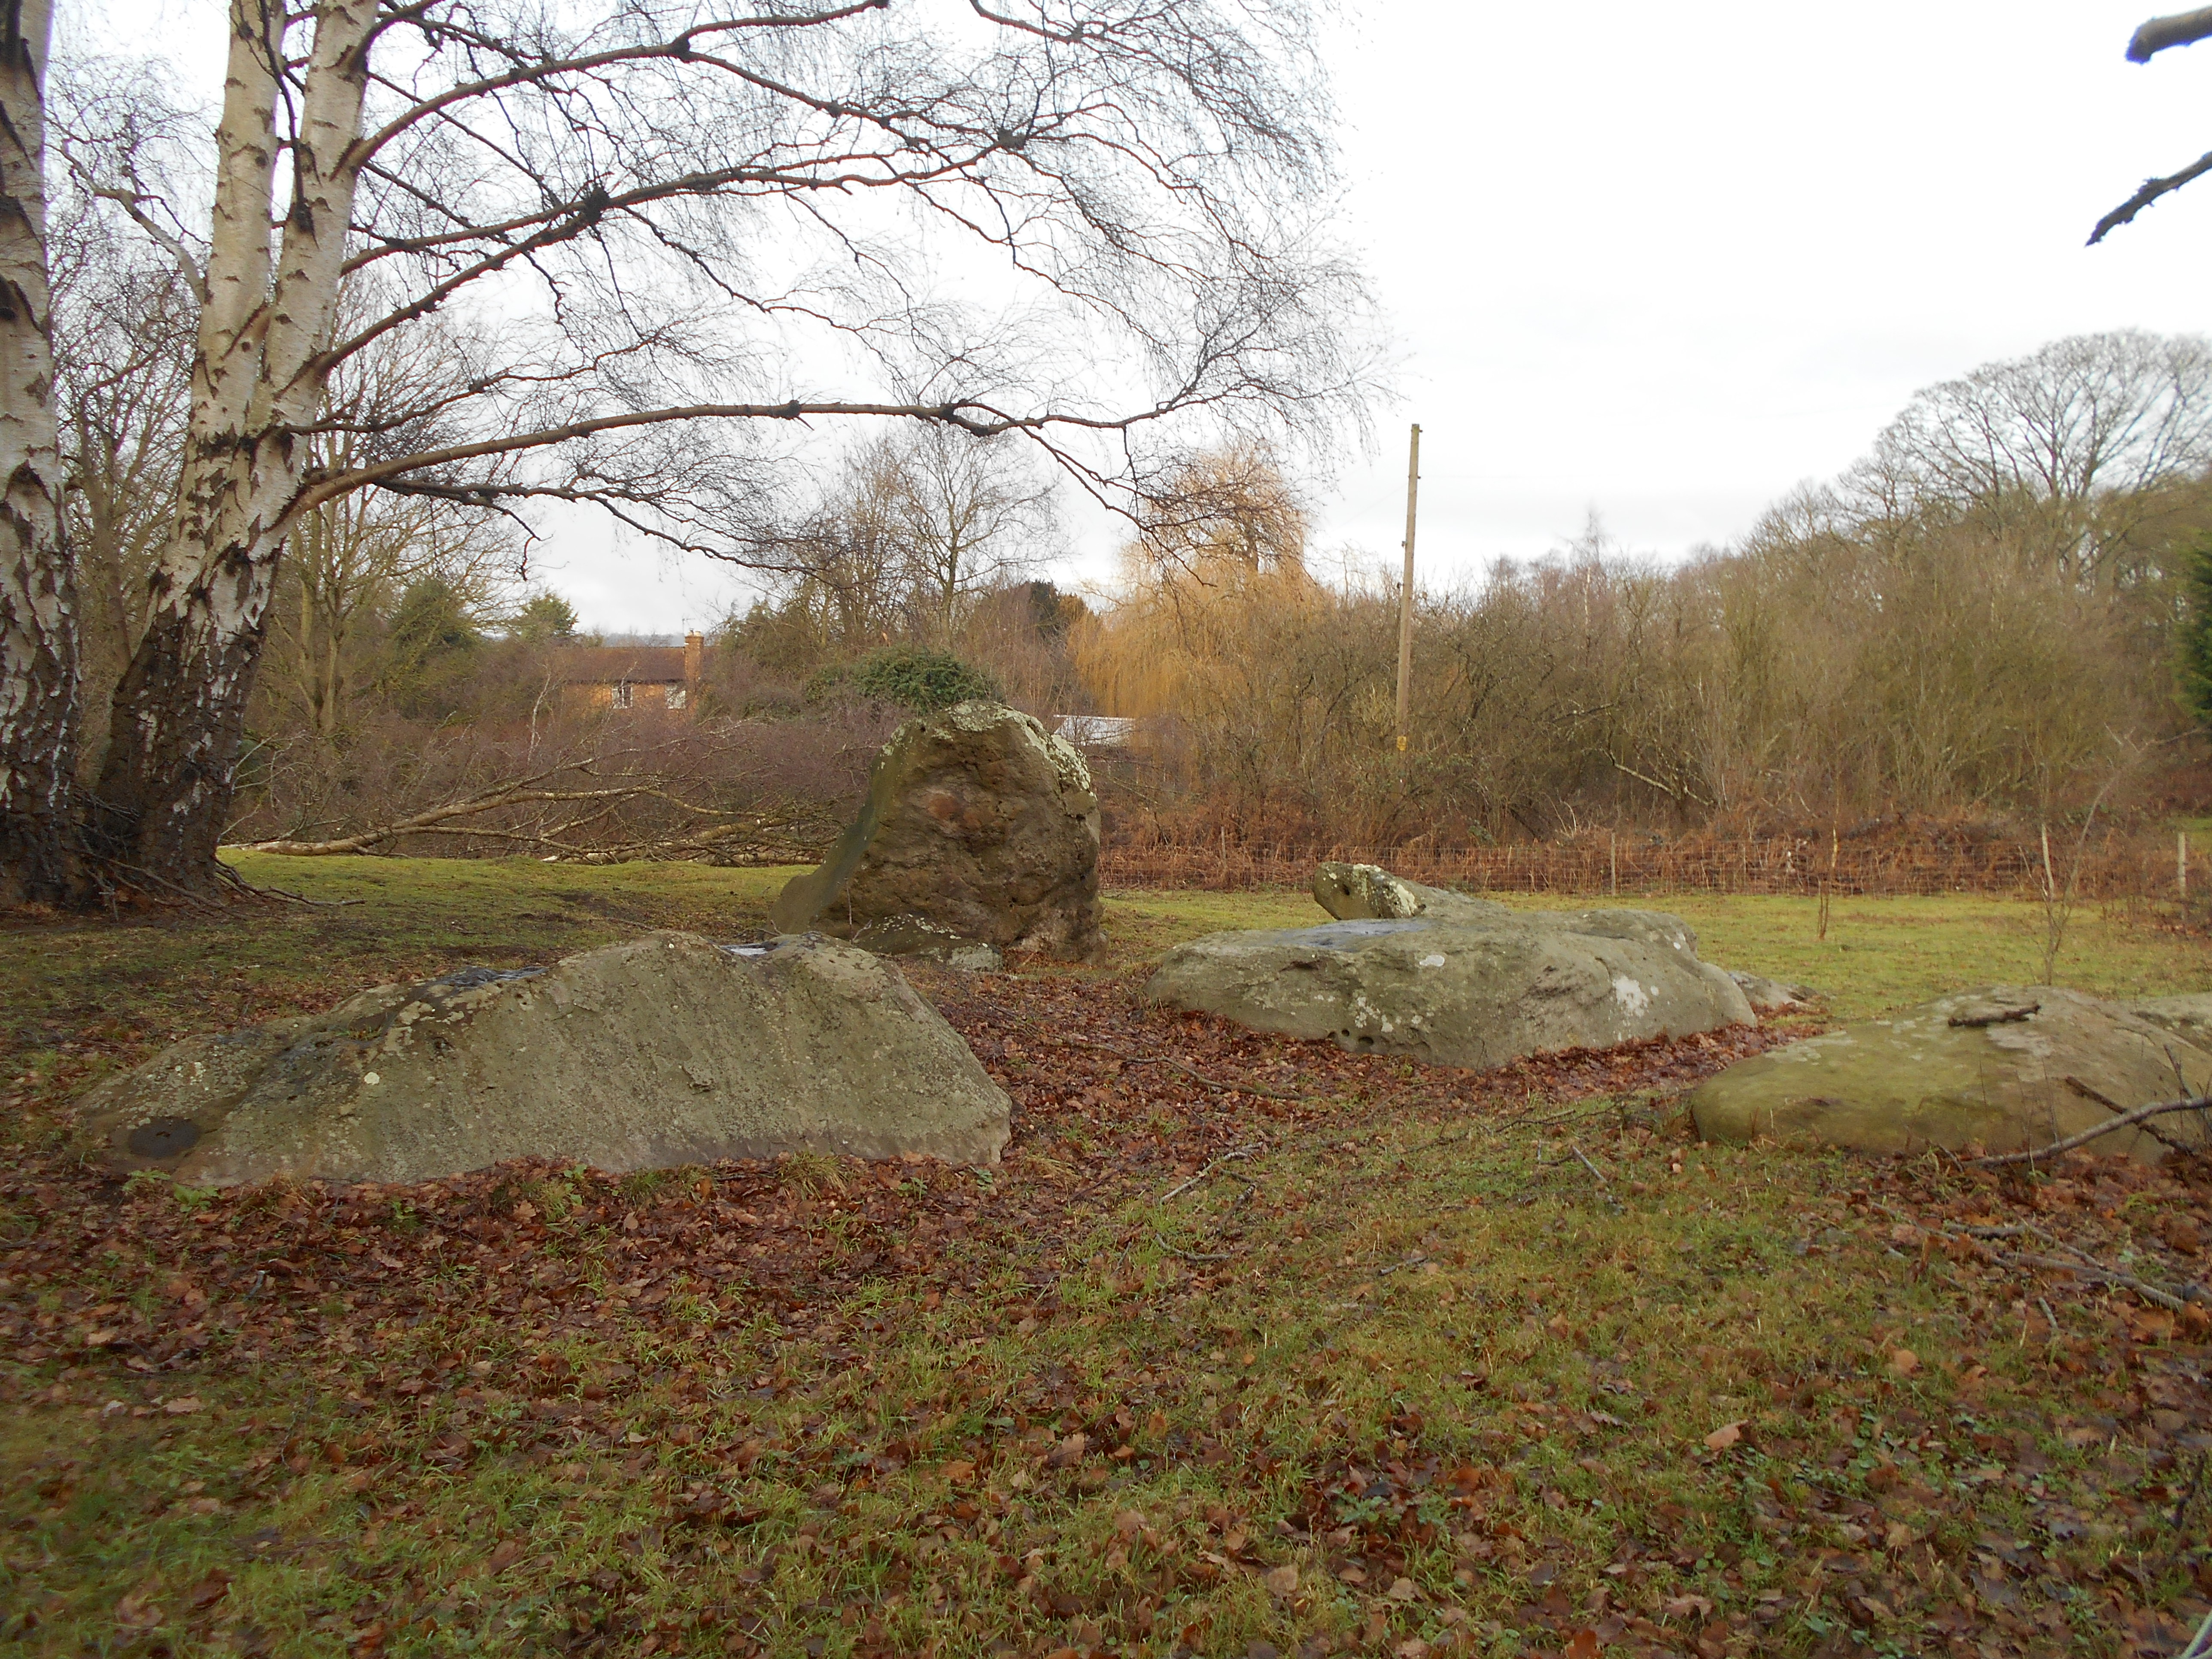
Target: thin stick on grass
1232,1156
1192,1256
1604,1186
2084,1266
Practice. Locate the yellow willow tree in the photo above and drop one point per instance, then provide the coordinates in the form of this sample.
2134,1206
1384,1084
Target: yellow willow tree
1221,628
657,230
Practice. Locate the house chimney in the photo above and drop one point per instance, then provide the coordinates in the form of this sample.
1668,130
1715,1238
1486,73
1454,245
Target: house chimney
695,660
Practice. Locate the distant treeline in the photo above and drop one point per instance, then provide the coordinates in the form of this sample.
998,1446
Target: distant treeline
2000,612
2003,613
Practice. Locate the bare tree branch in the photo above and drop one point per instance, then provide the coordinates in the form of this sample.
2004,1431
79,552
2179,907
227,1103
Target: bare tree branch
2151,191
134,204
971,418
2182,29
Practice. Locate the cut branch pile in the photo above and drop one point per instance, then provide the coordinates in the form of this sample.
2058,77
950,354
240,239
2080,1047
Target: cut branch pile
632,805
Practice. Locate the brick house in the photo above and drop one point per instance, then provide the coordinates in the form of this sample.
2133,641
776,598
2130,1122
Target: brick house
629,677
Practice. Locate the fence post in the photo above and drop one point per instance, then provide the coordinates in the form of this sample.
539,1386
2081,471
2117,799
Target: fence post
2181,863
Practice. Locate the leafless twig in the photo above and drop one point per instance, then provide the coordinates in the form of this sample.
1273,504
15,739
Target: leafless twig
1192,1255
2125,1120
1604,1186
1232,1156
2003,1016
2150,192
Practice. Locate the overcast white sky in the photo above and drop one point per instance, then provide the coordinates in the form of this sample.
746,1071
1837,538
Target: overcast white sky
1662,263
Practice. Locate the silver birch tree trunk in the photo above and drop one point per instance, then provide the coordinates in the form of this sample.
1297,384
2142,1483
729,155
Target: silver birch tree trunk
179,711
659,139
39,619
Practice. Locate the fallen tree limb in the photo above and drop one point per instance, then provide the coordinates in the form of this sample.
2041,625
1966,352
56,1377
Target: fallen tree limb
2125,1120
2149,1292
2084,1266
750,836
437,820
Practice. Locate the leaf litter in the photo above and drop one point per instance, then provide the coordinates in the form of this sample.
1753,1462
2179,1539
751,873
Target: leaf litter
1248,1345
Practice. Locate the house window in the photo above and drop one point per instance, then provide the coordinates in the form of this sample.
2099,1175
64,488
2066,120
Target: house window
621,698
676,693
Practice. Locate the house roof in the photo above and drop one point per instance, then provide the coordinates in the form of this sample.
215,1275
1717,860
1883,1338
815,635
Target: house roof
1096,730
619,665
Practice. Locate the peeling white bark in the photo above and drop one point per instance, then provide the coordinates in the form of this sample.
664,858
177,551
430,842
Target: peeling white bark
38,620
179,712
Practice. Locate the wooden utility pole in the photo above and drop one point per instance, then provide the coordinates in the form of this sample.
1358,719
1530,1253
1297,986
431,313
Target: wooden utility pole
1405,595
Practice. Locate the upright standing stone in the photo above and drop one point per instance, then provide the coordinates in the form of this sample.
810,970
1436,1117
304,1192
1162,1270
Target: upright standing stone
980,828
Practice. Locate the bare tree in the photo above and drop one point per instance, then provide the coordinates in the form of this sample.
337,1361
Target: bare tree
2060,454
1227,505
838,578
657,216
123,332
973,513
351,556
902,536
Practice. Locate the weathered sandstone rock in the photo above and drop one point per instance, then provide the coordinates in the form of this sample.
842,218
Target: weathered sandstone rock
665,1050
1773,996
1475,992
2003,1069
2189,1016
1368,892
980,828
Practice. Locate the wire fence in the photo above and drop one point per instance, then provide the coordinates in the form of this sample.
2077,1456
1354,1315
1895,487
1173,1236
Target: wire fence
1637,864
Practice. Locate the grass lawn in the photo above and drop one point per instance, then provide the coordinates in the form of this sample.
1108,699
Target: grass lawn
1879,953
1377,1360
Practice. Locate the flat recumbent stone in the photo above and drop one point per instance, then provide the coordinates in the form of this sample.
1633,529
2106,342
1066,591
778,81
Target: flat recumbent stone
1479,988
664,1050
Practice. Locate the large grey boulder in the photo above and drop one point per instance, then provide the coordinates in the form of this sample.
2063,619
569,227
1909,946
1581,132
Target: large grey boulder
2003,1069
980,828
665,1050
1476,992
